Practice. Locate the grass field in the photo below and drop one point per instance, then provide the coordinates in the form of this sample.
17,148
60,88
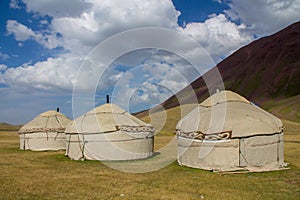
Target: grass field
287,108
50,175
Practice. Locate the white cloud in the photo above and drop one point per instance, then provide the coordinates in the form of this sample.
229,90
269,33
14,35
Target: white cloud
218,35
3,67
44,22
59,75
48,40
86,23
150,94
105,18
265,16
20,31
81,29
52,74
1,79
14,4
78,33
159,81
4,56
57,8
83,24
170,76
84,28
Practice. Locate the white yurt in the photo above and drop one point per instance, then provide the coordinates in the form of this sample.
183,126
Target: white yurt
109,133
44,132
227,132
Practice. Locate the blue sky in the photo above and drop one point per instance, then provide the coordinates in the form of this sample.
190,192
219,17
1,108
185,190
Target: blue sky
44,44
197,11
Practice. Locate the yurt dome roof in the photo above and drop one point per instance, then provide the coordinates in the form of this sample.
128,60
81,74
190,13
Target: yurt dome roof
223,96
106,108
102,119
45,122
227,111
50,113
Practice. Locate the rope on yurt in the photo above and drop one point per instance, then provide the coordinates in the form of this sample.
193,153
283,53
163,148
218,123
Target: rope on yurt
46,127
240,152
56,136
278,145
82,150
60,124
58,121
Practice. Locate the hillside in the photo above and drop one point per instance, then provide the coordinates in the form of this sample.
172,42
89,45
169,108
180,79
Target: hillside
266,71
8,127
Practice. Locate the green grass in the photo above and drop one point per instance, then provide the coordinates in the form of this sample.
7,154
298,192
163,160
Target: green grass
252,85
286,108
50,175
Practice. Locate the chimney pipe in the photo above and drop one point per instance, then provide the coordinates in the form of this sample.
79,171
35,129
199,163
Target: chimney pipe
57,109
107,98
